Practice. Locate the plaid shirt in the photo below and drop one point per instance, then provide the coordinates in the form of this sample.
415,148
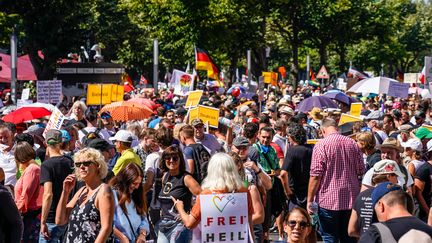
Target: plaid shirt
339,162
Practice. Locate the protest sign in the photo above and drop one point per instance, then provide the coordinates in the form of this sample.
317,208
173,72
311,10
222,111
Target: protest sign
345,118
21,103
323,73
193,113
210,115
55,121
94,92
224,217
397,89
25,94
270,78
355,109
182,82
117,92
49,91
194,98
411,78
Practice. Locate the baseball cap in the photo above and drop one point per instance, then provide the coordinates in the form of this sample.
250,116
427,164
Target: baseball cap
100,144
405,128
196,122
53,136
287,110
122,136
413,143
387,166
423,133
240,141
65,136
382,189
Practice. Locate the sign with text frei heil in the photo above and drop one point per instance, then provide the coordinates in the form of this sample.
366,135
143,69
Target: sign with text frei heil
224,218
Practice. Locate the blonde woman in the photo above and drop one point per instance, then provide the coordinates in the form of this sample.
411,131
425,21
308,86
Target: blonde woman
90,213
77,112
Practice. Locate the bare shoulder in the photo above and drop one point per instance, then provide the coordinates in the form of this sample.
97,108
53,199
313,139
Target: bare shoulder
105,191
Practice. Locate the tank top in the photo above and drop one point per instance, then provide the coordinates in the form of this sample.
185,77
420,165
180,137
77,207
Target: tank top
84,222
174,186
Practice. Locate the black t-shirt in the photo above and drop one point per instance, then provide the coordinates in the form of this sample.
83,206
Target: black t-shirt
297,162
55,170
365,212
398,227
424,173
373,158
174,186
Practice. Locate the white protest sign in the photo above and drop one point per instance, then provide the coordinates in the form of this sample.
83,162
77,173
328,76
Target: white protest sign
49,91
411,78
25,94
397,89
182,82
224,217
21,103
55,121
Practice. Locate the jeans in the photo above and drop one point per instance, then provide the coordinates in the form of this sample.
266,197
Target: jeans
171,231
56,233
334,225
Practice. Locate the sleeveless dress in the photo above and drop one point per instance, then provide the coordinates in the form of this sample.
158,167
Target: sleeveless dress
84,222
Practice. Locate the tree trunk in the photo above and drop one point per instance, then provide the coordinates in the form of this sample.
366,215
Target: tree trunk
323,54
44,68
342,58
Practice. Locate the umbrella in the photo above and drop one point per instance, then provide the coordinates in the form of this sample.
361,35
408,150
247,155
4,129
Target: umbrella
338,95
144,101
39,104
127,111
26,114
315,101
128,87
242,89
375,85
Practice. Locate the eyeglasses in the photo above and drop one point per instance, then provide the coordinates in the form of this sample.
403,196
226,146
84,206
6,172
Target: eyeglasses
85,163
293,223
173,158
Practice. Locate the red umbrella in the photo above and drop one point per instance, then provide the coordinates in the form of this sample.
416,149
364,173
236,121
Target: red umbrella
128,87
26,114
144,101
25,69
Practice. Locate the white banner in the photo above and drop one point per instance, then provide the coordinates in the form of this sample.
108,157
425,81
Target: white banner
411,78
55,121
25,94
182,82
224,218
49,91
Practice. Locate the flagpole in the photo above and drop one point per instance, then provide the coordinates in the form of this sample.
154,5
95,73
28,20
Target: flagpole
14,60
249,66
155,65
307,67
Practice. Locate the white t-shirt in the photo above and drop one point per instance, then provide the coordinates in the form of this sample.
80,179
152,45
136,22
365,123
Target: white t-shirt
152,161
7,163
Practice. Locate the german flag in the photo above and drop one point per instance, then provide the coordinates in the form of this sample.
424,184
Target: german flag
204,62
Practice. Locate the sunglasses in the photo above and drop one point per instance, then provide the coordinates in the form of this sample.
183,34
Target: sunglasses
173,158
85,163
293,223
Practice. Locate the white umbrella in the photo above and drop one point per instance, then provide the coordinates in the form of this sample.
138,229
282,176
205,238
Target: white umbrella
39,104
377,85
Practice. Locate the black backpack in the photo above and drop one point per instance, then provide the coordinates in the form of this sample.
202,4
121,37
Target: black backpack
89,136
201,158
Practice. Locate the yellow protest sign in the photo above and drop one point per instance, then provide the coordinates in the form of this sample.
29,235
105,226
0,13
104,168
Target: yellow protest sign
98,94
345,118
312,141
270,78
117,92
210,115
193,113
355,109
194,98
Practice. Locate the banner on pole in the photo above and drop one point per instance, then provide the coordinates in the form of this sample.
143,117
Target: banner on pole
206,114
117,92
224,217
397,89
355,109
345,118
182,82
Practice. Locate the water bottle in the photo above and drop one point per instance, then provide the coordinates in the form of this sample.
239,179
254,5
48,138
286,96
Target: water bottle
225,121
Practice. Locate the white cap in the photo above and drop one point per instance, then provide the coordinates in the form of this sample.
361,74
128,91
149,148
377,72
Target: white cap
287,109
123,136
413,143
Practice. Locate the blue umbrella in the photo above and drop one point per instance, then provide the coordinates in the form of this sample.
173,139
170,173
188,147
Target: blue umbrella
316,101
339,96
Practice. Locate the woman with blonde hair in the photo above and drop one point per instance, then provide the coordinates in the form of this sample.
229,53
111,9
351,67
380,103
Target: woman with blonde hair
90,212
78,112
222,177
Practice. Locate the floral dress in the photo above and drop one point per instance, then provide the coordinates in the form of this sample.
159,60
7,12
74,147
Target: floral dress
84,222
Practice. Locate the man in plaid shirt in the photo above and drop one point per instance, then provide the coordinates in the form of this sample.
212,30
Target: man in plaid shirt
337,165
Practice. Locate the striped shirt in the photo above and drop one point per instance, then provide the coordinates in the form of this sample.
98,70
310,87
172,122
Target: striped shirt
339,162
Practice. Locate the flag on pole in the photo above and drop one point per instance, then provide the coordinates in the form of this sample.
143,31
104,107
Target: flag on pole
182,82
422,75
143,80
188,68
354,73
204,62
282,71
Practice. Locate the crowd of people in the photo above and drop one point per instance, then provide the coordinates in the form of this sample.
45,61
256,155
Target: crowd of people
101,180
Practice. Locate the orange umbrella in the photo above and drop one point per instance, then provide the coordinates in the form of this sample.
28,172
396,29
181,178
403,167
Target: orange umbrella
144,101
127,111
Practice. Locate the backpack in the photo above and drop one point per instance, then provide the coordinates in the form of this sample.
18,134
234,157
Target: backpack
411,236
89,136
201,158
